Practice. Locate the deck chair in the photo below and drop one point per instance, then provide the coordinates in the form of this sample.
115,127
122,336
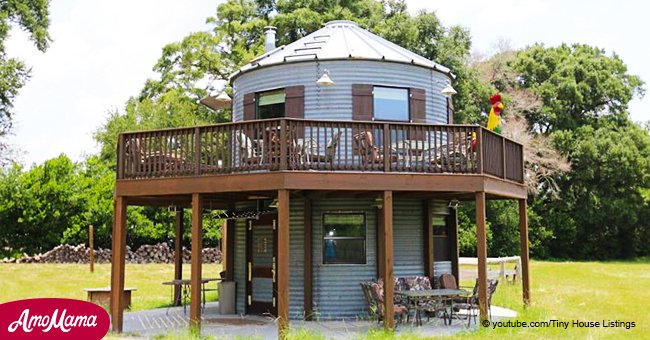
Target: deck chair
247,152
367,150
313,152
153,161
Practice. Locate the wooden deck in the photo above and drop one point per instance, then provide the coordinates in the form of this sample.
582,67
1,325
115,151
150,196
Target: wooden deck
316,145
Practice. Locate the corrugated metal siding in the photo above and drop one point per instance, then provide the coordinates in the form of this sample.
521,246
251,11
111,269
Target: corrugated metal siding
408,237
296,258
441,267
337,293
335,102
240,258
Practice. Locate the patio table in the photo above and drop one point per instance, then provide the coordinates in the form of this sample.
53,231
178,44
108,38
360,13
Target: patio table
185,290
444,295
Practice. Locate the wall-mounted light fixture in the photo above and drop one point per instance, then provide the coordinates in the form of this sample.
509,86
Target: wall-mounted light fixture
453,204
325,79
448,91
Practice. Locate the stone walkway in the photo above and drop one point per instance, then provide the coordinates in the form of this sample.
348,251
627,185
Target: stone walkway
169,320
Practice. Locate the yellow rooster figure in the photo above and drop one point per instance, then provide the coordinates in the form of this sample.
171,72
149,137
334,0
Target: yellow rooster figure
494,119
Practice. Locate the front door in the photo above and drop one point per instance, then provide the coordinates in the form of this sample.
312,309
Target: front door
261,255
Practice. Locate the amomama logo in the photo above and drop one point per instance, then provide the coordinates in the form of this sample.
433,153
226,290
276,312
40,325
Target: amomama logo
52,319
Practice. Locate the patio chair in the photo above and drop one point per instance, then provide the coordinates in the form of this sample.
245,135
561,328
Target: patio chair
472,304
448,281
313,152
367,150
155,160
399,310
247,152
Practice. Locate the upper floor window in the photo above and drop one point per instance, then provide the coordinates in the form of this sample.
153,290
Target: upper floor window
344,238
270,104
391,103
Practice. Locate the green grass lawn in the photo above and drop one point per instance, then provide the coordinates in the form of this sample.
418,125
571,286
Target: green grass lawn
584,291
564,291
22,281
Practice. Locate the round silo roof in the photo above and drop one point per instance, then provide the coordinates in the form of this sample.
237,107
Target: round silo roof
337,40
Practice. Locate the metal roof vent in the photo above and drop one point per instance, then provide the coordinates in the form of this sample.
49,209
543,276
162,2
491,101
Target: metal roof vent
269,33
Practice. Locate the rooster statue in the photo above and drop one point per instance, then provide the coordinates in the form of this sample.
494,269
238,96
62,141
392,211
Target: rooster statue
494,119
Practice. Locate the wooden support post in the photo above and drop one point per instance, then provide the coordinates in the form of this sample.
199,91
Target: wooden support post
428,240
91,245
230,250
308,276
178,256
387,263
523,232
197,246
118,263
481,254
283,262
380,244
453,242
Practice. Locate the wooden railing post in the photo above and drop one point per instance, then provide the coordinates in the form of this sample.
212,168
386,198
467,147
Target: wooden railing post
503,157
284,143
197,151
479,150
120,157
386,144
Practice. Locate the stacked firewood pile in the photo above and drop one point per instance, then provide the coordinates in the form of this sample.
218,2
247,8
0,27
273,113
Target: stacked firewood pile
157,253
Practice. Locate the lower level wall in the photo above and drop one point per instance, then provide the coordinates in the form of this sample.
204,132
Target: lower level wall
336,290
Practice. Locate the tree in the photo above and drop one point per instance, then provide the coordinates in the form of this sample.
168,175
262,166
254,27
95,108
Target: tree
38,205
577,84
33,17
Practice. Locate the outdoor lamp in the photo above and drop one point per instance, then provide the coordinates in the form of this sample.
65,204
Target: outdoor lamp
222,101
448,91
325,79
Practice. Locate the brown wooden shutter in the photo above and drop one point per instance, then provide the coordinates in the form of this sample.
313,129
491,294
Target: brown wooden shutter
417,106
294,101
362,102
249,106
294,105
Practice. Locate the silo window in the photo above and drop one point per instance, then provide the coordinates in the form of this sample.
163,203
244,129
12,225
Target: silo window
270,104
391,103
344,238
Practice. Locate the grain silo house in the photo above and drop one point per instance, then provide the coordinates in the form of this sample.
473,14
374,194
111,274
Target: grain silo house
342,165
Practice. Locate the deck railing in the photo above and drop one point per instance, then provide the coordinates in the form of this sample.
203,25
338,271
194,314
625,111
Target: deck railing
295,144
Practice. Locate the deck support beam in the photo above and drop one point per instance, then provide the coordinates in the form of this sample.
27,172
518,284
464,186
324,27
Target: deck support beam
428,240
386,264
283,263
118,263
196,271
481,254
523,234
178,255
228,246
452,221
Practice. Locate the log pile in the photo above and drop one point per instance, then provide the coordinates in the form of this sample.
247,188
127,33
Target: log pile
157,253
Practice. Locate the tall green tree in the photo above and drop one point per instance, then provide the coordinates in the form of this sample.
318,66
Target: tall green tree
577,84
31,16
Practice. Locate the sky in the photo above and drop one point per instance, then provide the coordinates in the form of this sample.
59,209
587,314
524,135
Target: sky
104,50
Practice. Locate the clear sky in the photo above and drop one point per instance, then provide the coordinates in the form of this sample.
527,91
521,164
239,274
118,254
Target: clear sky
104,50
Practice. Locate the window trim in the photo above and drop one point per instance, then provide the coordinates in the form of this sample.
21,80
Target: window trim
323,238
408,104
257,101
